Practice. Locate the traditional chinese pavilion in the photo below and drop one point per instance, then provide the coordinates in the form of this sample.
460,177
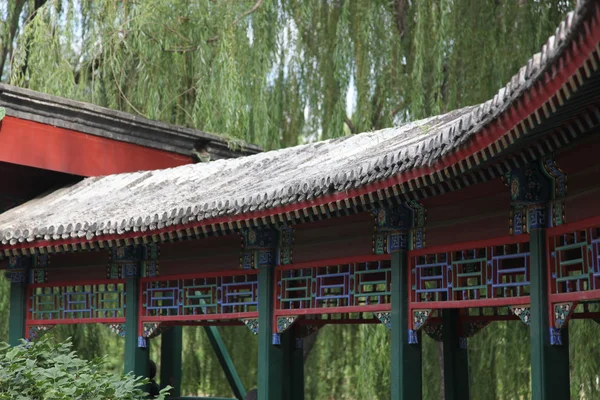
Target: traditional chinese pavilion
47,142
438,227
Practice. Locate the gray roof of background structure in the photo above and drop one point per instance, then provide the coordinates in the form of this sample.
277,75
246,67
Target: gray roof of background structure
112,124
153,199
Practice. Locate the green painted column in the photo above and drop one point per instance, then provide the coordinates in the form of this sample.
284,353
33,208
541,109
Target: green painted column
170,359
406,369
292,365
297,369
18,305
137,354
549,364
270,360
456,363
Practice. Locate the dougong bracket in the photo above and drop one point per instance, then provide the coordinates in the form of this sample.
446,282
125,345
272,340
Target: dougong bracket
391,228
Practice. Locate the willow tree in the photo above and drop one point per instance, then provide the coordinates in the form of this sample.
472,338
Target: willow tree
280,72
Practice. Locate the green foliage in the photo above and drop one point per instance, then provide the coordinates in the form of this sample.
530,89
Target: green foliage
42,370
274,73
2,113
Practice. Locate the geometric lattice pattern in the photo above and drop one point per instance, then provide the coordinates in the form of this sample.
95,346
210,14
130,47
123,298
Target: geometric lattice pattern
575,261
185,297
472,274
98,302
342,285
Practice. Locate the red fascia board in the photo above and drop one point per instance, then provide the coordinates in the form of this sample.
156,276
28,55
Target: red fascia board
38,145
495,302
196,317
332,310
538,94
75,321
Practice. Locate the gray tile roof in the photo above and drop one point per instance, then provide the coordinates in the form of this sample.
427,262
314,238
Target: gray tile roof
151,200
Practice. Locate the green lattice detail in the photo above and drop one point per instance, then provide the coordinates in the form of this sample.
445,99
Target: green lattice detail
78,302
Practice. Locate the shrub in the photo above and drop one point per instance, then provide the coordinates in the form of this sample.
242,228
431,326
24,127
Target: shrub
43,370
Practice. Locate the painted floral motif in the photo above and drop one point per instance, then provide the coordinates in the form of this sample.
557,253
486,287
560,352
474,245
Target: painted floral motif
251,237
420,318
561,314
514,188
385,318
154,329
252,324
283,323
117,329
35,332
524,313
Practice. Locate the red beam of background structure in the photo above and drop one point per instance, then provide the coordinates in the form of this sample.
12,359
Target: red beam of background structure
44,146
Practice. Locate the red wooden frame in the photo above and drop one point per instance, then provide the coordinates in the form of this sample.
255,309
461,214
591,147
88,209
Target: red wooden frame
476,303
279,312
572,297
48,147
197,319
30,322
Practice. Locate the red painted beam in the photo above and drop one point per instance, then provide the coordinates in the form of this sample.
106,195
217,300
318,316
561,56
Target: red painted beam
197,317
496,302
333,310
44,146
75,321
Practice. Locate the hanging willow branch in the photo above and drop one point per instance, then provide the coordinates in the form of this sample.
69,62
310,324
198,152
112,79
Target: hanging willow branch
238,19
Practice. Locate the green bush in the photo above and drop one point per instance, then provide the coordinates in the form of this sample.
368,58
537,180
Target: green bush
43,370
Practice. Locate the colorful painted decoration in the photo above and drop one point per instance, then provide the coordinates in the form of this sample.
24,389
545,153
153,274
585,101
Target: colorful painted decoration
104,300
216,295
385,318
283,323
117,329
420,318
343,285
471,274
252,324
562,313
36,331
523,312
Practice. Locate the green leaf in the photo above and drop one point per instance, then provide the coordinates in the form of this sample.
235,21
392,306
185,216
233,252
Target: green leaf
2,113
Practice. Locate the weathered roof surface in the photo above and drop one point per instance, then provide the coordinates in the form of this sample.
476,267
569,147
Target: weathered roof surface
112,124
151,200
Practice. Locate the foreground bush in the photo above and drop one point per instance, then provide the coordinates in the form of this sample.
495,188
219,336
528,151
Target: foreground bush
45,371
